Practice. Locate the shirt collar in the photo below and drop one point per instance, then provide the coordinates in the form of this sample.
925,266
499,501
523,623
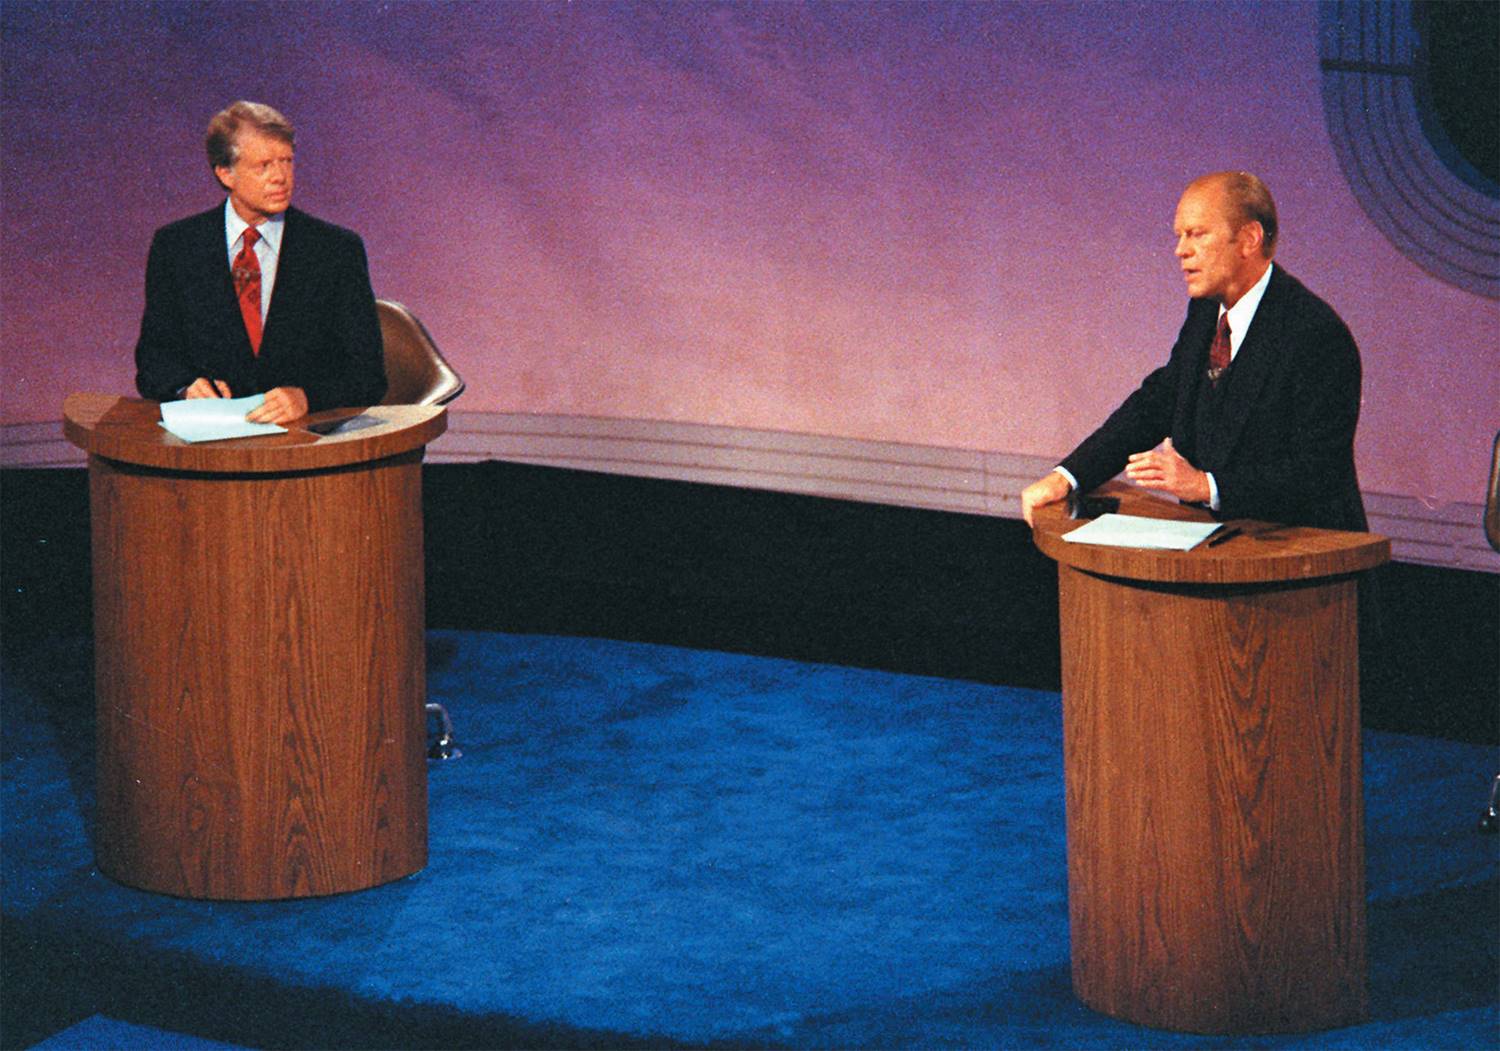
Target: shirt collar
270,230
1243,312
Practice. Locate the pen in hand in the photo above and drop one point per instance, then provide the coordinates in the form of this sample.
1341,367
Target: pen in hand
204,387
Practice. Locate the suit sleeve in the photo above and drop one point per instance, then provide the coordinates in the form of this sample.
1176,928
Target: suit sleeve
162,367
1140,423
356,372
1315,461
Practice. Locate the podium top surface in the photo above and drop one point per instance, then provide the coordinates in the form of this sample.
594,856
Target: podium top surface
129,430
1263,552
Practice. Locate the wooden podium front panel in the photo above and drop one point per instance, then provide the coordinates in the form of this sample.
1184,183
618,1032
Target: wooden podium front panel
1214,807
260,677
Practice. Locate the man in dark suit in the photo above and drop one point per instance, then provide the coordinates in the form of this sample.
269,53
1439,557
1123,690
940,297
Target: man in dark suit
256,296
1253,415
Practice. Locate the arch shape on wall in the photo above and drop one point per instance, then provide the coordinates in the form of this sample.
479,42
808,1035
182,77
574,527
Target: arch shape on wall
1408,180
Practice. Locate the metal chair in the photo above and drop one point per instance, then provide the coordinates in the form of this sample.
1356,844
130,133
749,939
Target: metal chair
1490,821
415,370
417,374
1492,498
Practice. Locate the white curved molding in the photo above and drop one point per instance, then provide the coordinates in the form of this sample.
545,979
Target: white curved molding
924,476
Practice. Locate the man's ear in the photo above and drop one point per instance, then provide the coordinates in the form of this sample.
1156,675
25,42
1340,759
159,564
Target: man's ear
225,177
1252,238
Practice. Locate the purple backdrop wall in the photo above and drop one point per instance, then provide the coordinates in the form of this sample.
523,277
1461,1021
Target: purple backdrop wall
941,224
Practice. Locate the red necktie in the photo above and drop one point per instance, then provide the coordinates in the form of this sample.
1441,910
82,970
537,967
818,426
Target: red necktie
1218,351
247,286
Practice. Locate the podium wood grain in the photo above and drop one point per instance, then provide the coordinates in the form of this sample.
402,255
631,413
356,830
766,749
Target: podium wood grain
1214,809
259,654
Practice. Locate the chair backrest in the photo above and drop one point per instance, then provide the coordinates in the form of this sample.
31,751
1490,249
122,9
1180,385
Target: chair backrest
415,370
1492,499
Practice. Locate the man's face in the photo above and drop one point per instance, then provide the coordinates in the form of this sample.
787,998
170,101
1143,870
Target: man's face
1218,260
260,181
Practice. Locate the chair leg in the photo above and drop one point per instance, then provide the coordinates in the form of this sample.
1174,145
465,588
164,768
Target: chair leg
442,747
1490,821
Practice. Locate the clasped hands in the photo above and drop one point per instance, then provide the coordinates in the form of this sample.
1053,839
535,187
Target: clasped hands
1162,468
282,404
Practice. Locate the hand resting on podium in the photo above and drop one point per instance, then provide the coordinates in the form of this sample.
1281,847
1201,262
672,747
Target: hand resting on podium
1162,468
282,404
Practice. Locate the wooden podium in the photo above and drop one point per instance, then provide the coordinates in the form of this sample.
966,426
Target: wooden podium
259,653
1215,815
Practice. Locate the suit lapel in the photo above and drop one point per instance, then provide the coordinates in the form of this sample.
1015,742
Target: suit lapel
213,263
291,260
1195,345
1252,366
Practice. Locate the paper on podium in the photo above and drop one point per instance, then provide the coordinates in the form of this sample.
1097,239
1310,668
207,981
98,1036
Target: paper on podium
210,419
1136,531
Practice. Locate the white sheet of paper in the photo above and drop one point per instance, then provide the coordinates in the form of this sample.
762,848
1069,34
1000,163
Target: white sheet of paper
210,419
1136,531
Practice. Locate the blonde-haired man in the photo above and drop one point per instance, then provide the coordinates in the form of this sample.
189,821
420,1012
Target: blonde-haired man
254,296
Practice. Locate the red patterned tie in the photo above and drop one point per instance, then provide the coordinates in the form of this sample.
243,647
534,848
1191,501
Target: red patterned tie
1218,351
247,286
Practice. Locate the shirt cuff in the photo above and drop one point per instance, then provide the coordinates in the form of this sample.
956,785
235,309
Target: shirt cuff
1069,476
1213,492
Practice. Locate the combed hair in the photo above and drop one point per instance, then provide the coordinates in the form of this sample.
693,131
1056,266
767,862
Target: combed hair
1252,200
223,131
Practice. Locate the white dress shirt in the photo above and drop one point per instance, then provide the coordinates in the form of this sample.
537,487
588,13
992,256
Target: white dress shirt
267,249
1240,316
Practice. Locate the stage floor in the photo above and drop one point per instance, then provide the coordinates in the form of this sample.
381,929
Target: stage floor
648,846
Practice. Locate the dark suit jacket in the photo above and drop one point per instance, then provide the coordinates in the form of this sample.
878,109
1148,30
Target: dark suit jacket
321,331
1283,448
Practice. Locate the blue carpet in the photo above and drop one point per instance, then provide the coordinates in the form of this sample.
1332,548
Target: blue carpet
97,1032
647,845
